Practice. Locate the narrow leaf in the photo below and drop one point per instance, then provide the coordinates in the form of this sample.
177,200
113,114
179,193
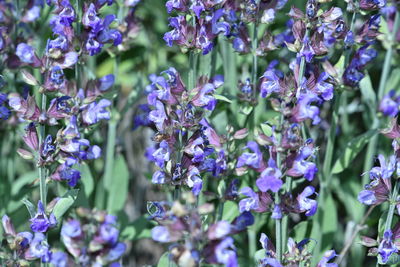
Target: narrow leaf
353,148
31,208
64,203
118,189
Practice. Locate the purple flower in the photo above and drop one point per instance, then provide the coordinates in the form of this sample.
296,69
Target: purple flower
71,229
324,262
70,175
277,213
161,155
106,82
367,197
60,43
107,234
94,112
254,159
57,75
324,89
39,248
25,53
225,252
40,222
386,168
270,178
306,204
93,46
90,18
387,246
59,259
219,230
302,167
389,105
242,221
158,177
194,181
116,252
251,202
158,116
161,234
270,83
304,110
204,97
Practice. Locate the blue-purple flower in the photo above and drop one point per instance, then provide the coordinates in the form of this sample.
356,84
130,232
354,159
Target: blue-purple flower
41,222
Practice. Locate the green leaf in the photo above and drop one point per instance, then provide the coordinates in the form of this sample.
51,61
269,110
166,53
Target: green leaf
367,92
118,189
64,203
138,229
87,179
165,261
222,98
231,211
267,129
353,148
301,231
23,180
31,208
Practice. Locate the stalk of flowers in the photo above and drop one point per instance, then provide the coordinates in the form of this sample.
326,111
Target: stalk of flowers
90,238
379,190
298,254
193,241
186,144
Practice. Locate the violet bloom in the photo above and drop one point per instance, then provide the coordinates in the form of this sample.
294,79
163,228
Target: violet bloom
270,83
70,175
324,89
161,234
306,204
95,112
57,75
376,192
39,248
219,230
59,259
270,178
194,181
158,177
387,246
106,82
107,234
225,252
305,110
205,98
386,169
40,222
161,155
251,202
90,18
4,111
71,229
25,53
158,116
277,213
324,262
115,253
253,160
389,105
302,167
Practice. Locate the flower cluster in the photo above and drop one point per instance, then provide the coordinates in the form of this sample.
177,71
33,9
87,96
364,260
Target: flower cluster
298,253
182,225
211,18
91,238
186,144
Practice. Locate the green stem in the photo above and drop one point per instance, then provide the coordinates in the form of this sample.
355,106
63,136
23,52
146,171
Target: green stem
393,202
331,141
251,120
252,243
42,169
388,58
